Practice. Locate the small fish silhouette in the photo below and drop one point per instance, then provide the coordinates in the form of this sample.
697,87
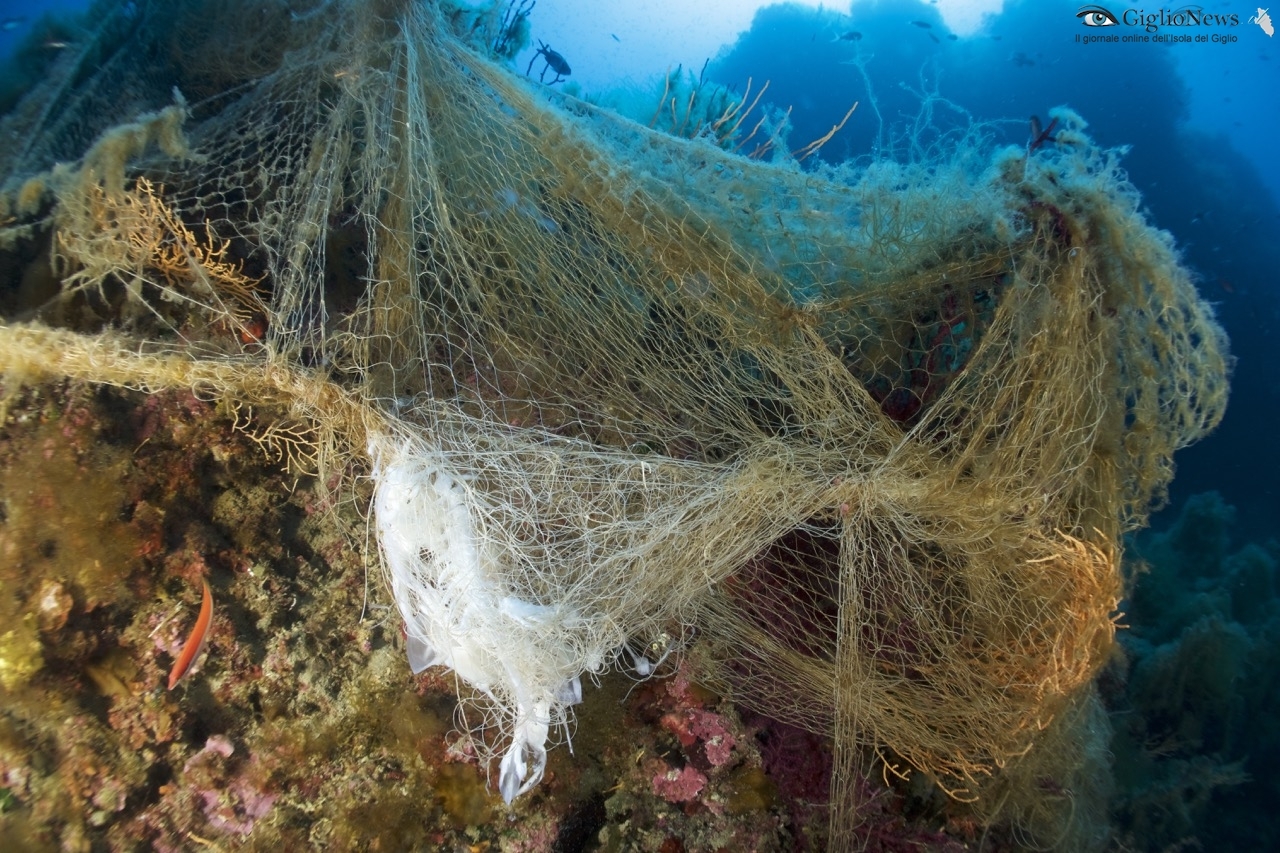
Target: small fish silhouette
195,643
1040,136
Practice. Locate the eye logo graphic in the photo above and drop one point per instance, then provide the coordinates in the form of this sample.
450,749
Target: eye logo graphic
1263,20
1096,16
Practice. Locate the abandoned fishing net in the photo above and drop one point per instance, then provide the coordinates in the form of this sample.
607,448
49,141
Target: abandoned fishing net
863,442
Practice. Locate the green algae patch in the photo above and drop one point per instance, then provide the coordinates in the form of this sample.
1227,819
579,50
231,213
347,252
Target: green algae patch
750,790
64,496
20,654
463,794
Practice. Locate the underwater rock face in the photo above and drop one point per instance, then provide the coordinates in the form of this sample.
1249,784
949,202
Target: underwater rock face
1193,708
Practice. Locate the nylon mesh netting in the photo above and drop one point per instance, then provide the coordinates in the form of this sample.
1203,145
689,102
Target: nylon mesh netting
866,439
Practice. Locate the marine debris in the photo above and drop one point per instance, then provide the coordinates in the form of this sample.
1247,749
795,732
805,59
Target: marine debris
555,400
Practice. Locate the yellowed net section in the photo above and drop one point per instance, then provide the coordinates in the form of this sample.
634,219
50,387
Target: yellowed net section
870,437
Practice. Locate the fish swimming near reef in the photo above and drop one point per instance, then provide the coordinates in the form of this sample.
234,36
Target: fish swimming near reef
1040,134
194,645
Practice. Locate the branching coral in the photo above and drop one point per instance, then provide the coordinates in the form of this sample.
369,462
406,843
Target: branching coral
136,237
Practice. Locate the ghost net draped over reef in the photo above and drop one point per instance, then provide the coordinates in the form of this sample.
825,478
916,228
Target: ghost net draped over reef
862,446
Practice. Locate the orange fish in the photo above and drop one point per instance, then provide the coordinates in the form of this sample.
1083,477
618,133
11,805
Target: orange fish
195,643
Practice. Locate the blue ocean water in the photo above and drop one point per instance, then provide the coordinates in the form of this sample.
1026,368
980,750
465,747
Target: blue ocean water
1201,118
